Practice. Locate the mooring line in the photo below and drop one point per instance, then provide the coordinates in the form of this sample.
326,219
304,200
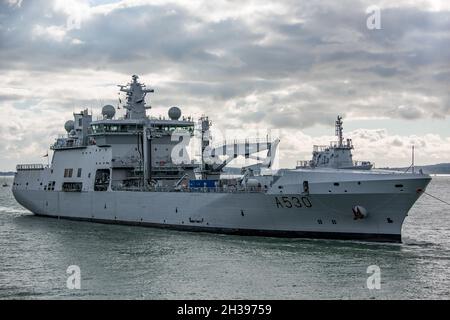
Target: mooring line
437,198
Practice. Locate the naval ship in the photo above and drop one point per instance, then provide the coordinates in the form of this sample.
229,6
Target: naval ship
337,155
136,170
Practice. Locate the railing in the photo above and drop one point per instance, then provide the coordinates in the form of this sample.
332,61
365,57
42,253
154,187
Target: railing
233,142
362,163
37,166
303,163
332,145
67,143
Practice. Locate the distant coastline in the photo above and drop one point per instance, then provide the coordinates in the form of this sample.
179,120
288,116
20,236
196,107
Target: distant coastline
440,168
7,173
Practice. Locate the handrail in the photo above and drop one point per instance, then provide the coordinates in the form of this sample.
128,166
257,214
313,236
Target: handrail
65,143
137,188
362,163
35,166
303,163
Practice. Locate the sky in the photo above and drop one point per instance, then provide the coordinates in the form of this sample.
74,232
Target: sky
287,66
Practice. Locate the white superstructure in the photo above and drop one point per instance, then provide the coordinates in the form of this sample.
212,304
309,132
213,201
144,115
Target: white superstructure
135,170
337,155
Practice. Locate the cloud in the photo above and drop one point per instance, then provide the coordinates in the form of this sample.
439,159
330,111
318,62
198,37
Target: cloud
14,3
409,112
287,65
53,32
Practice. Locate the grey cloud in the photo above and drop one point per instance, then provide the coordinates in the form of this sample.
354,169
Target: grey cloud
10,97
325,46
381,71
397,142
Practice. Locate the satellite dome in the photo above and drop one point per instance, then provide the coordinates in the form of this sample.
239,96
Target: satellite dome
72,133
174,113
108,111
69,125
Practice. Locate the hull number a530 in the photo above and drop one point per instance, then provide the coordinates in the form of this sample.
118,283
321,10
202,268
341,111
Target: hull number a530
292,202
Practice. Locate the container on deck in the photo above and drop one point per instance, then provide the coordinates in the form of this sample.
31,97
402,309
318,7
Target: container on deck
203,183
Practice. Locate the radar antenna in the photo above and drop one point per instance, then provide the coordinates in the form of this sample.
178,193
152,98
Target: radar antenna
339,130
135,98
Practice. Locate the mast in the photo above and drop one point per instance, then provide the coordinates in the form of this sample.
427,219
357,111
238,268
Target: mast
204,132
135,98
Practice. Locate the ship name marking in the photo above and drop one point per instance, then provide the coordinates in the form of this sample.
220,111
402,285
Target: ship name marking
292,202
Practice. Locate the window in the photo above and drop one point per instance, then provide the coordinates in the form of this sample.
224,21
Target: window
79,173
50,186
305,187
68,173
80,122
102,178
72,186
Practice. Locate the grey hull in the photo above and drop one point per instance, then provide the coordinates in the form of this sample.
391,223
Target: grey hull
372,237
317,215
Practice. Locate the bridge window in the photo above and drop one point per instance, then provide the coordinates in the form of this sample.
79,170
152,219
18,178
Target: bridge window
102,128
102,177
79,173
68,173
72,186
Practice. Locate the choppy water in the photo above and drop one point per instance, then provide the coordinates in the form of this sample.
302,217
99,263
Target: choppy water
135,263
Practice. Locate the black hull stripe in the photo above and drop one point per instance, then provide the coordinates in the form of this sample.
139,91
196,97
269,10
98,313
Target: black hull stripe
373,237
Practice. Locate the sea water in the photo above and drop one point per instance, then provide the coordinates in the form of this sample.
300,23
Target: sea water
145,263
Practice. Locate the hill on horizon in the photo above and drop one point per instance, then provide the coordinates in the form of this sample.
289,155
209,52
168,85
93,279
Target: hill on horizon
439,168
